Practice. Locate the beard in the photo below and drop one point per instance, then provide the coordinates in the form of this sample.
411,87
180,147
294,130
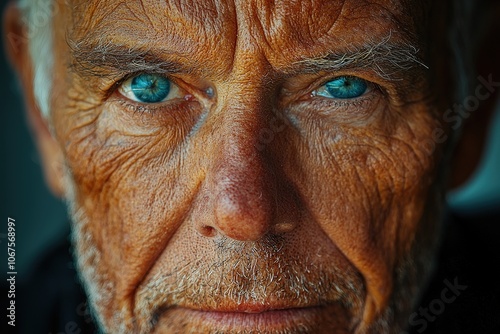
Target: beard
259,273
237,273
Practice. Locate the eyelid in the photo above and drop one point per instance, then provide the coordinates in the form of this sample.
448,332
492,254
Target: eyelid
303,87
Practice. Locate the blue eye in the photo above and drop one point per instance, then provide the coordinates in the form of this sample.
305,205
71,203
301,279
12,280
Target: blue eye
344,87
148,88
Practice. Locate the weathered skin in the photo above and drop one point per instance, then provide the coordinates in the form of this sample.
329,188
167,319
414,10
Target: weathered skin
188,204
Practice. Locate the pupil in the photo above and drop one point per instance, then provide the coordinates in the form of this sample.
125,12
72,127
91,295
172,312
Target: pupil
150,88
346,87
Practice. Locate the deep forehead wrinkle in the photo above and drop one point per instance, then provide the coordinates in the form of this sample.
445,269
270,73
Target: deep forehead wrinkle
288,33
314,25
156,17
271,19
188,29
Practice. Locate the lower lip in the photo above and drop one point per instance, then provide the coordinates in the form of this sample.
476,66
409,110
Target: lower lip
272,320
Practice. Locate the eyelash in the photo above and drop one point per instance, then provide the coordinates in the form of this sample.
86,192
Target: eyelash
137,107
308,93
334,104
319,105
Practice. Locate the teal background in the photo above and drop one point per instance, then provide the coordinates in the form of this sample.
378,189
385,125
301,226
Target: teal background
40,218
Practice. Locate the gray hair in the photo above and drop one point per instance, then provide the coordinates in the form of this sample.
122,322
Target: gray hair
37,17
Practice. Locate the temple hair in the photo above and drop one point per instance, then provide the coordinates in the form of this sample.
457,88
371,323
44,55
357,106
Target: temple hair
37,17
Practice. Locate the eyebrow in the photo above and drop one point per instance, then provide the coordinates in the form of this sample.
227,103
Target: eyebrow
389,60
114,60
108,59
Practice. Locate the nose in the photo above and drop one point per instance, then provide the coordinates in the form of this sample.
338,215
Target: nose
241,188
243,204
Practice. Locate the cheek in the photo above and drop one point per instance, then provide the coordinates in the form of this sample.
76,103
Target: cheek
126,169
363,173
367,187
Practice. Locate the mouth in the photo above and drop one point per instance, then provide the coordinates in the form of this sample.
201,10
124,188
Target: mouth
249,319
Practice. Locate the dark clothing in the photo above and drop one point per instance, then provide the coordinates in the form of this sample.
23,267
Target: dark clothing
470,256
51,301
462,298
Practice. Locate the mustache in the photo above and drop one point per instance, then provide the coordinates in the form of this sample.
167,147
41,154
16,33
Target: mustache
263,273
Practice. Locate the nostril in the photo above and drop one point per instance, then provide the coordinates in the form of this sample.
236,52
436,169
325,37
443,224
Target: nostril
208,231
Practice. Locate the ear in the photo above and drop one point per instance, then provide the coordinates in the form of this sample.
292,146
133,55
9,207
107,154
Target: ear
470,148
16,44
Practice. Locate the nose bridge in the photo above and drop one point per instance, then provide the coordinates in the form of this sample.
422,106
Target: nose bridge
240,119
238,183
244,105
237,162
243,201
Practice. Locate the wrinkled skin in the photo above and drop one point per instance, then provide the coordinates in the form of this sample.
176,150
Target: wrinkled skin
189,218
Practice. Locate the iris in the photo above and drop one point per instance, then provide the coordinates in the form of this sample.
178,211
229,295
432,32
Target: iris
344,87
150,88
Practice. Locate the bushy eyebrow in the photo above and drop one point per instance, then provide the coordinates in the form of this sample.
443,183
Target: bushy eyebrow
108,59
387,59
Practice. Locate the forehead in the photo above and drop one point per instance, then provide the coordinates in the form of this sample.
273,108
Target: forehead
280,31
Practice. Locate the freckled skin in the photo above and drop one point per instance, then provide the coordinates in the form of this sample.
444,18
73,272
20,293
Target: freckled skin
345,191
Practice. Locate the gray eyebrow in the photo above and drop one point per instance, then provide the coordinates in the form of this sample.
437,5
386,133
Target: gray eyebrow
386,58
110,59
105,58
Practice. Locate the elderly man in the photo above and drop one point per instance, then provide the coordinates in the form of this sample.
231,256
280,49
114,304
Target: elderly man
248,166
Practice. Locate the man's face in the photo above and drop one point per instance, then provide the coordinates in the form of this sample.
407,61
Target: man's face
247,166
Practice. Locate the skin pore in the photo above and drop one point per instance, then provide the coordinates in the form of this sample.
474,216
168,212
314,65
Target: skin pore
187,219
